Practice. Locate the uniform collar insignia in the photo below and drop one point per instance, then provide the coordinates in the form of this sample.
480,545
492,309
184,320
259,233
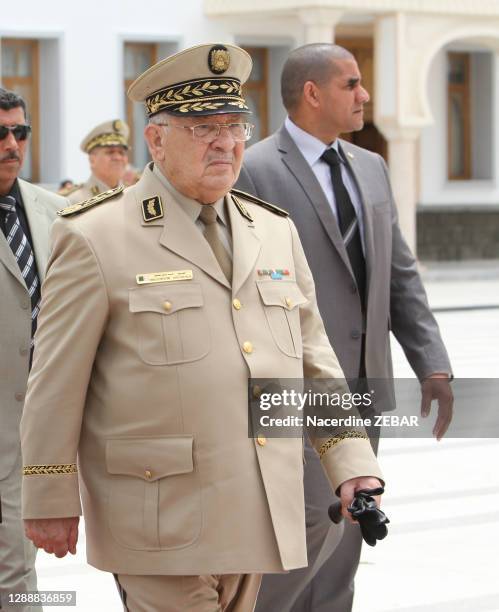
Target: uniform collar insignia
152,209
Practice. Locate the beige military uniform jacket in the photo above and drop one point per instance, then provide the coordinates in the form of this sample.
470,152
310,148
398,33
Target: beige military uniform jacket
147,384
93,186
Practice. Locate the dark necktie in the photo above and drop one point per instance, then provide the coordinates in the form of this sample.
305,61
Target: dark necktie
19,243
208,216
348,222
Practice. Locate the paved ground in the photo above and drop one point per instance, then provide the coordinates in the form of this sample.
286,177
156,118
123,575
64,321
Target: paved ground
441,554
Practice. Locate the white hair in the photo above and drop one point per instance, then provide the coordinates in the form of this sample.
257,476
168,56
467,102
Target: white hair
158,118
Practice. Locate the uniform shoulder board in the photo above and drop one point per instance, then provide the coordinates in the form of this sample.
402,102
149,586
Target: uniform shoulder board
267,205
76,209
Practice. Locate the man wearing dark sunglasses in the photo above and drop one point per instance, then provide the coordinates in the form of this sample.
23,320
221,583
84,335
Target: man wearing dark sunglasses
26,213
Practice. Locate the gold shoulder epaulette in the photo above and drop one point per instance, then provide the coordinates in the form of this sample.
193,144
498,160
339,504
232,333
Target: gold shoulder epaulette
75,209
241,207
267,205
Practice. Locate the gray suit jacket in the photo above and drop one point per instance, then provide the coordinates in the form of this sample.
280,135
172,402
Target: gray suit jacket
15,318
275,170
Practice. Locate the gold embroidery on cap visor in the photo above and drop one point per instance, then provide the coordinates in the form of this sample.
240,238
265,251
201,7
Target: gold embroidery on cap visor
107,140
199,96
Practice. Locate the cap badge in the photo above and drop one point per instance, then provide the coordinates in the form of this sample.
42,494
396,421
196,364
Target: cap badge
218,59
118,125
91,202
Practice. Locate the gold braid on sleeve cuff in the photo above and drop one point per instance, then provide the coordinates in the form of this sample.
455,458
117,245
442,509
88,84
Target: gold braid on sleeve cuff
59,468
344,435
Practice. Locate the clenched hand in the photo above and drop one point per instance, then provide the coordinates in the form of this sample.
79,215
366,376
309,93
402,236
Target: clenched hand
56,535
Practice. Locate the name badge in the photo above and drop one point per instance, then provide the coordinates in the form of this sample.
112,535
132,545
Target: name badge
164,277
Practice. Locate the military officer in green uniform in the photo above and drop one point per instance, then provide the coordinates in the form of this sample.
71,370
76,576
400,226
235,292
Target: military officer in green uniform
107,149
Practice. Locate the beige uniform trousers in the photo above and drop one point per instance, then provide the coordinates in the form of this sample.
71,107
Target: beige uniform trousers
209,593
17,553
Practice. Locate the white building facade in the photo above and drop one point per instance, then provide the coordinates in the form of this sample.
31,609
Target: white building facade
430,65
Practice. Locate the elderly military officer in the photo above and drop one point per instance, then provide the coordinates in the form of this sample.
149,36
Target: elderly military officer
26,214
107,149
153,319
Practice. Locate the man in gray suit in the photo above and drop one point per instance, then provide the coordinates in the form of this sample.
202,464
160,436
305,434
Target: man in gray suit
26,214
339,197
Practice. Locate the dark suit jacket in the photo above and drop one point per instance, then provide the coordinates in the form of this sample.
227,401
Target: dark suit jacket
275,170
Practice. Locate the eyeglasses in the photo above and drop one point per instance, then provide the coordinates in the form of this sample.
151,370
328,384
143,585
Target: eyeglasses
209,132
20,132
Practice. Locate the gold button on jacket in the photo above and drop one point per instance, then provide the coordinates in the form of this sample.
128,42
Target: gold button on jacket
247,347
262,440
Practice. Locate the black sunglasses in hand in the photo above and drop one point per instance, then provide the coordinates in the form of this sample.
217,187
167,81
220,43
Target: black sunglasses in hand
20,132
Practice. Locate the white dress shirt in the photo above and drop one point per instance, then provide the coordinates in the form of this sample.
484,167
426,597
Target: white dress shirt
312,148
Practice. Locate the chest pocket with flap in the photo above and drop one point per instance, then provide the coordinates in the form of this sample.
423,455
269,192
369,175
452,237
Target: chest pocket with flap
170,323
282,300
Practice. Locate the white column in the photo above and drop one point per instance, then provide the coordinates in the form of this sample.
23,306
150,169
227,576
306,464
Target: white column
319,24
403,164
397,88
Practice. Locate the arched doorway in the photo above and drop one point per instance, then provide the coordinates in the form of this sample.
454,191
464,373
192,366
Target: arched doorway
458,215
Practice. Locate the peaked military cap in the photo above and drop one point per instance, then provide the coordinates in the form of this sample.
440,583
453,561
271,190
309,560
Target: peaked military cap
202,80
112,133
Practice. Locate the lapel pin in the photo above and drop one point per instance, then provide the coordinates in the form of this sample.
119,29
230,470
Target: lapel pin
350,155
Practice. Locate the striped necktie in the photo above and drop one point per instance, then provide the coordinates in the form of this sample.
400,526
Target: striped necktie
348,222
19,243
